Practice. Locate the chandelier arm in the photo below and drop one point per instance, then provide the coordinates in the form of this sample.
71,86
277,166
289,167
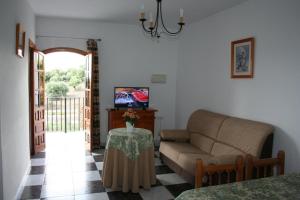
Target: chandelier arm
175,33
145,29
163,24
166,33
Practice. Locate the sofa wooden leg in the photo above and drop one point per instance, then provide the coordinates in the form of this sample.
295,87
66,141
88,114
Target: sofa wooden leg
199,173
281,160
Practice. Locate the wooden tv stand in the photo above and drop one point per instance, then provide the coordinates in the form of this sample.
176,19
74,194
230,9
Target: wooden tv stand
146,121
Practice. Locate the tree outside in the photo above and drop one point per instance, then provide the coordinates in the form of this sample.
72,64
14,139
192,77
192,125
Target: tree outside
60,82
56,89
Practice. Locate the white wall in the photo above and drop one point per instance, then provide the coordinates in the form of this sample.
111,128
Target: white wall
272,96
127,58
14,96
1,172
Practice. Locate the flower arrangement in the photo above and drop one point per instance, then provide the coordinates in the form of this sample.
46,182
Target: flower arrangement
130,116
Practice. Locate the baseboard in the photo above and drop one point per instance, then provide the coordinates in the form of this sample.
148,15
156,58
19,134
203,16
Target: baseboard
20,188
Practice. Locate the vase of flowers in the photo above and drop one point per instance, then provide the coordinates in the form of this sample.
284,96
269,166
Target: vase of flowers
130,117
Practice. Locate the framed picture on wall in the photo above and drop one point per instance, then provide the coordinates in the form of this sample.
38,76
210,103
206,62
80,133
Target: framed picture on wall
242,58
20,41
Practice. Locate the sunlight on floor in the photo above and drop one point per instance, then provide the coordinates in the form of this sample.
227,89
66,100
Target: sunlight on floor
66,148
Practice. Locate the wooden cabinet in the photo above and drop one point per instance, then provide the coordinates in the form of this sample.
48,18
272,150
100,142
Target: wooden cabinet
146,121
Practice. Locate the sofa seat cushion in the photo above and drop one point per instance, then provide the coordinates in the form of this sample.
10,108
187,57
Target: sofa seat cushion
187,161
220,149
173,149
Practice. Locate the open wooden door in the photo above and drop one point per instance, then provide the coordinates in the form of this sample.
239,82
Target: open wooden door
37,101
88,110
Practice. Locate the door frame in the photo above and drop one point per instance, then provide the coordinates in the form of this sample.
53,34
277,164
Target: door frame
65,49
32,45
32,49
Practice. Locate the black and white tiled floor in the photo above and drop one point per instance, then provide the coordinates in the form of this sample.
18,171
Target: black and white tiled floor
66,171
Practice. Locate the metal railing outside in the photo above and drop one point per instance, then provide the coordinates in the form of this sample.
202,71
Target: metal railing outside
65,114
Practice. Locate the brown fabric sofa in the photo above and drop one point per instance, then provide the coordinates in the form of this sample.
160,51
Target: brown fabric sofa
214,138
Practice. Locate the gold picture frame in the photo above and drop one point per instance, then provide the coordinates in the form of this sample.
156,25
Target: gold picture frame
20,41
242,58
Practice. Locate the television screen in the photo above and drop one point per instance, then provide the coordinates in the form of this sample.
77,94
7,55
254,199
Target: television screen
131,97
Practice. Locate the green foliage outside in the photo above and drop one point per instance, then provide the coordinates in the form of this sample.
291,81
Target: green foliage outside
75,77
56,75
56,89
78,73
57,81
74,81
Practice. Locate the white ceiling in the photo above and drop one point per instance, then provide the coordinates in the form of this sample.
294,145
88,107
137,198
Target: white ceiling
127,11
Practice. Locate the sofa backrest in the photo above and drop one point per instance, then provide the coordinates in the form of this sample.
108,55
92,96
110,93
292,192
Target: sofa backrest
219,134
241,135
204,127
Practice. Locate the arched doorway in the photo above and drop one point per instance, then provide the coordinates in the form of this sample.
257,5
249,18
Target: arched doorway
64,84
66,87
64,169
65,49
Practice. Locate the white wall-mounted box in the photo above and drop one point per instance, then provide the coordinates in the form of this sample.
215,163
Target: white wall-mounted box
159,78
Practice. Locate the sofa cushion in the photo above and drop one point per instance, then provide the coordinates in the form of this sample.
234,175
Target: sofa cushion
187,161
173,149
220,149
205,123
248,136
202,142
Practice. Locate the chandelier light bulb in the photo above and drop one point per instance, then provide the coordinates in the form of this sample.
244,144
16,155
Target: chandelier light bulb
181,12
142,14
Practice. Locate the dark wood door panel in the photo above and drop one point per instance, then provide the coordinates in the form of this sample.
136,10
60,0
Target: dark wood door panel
37,100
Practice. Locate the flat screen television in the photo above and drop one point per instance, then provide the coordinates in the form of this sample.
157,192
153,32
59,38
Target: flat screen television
131,97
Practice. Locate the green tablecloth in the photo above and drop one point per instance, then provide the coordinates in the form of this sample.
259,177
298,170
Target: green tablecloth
131,143
273,188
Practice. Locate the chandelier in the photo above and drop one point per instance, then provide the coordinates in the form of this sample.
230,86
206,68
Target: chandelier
157,27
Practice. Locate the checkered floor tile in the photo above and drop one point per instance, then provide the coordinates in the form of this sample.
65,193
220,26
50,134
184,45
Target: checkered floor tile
66,171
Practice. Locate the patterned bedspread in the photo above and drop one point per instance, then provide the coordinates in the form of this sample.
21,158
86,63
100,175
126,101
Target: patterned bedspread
272,188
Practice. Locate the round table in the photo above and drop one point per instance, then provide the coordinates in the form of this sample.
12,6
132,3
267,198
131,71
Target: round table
129,160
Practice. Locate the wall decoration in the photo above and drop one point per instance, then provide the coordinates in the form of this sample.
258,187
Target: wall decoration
242,58
20,41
